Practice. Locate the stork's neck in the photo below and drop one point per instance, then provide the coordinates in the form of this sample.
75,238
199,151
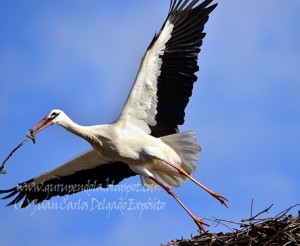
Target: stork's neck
89,133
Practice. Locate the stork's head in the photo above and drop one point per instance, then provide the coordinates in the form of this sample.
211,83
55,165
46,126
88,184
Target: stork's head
56,116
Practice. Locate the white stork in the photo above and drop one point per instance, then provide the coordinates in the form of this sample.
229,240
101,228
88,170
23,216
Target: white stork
145,140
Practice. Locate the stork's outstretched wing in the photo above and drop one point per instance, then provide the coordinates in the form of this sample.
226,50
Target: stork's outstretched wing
165,80
87,171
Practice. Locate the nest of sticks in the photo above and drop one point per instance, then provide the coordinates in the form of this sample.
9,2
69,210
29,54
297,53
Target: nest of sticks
282,229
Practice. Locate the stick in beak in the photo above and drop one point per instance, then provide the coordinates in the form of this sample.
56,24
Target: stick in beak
41,125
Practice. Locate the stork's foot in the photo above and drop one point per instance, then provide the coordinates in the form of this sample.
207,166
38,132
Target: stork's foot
200,223
222,199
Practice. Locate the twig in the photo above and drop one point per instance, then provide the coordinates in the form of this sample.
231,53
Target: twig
255,216
31,136
251,210
220,221
284,212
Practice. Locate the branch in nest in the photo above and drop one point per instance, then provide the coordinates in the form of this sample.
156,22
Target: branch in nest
283,229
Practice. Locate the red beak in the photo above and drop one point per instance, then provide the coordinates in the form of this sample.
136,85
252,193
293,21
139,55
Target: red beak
41,125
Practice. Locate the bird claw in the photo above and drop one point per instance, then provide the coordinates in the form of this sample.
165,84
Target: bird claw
200,223
222,199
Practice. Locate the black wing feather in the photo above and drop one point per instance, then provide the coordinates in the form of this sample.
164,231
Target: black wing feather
179,63
101,176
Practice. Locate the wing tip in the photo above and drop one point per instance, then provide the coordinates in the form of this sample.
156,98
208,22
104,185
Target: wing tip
180,6
19,196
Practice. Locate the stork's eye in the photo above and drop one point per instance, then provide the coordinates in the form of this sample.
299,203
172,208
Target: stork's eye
54,114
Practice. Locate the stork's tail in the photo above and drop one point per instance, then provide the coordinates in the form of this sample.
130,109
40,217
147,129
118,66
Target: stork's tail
185,145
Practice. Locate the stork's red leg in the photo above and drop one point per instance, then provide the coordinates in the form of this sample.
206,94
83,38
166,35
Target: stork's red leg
216,195
199,222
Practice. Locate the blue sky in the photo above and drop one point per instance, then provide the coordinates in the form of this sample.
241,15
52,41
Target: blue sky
82,57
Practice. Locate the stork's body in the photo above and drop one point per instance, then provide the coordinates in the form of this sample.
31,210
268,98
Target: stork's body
124,142
121,141
145,140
